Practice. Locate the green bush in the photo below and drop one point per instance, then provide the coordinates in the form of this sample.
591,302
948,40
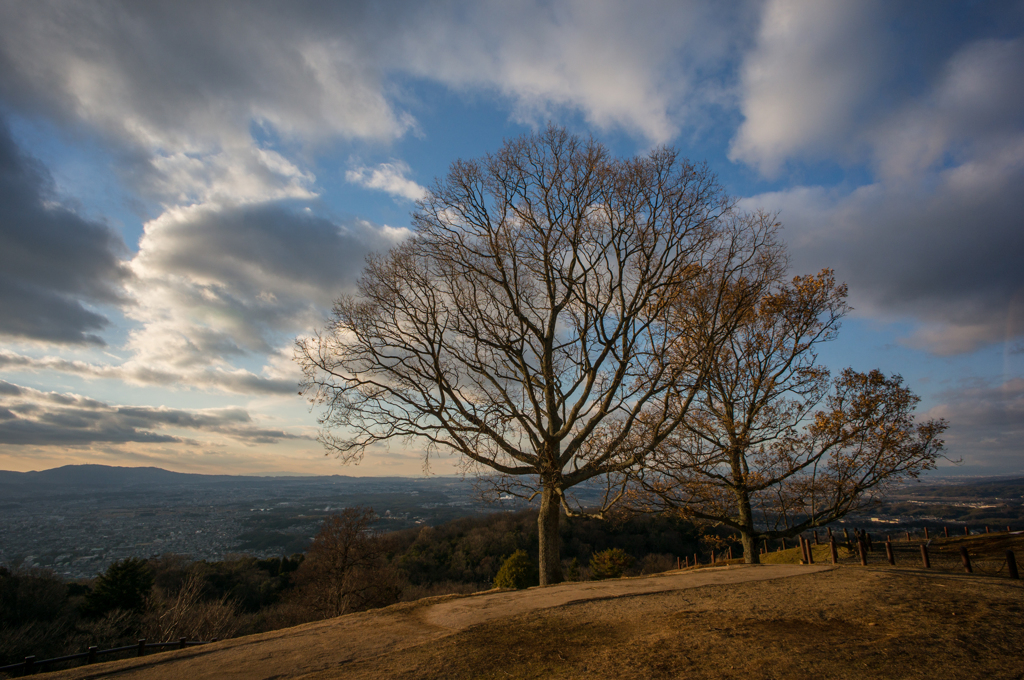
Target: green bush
610,563
518,571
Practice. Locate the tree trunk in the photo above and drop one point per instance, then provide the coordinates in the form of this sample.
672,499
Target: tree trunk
746,517
547,525
750,551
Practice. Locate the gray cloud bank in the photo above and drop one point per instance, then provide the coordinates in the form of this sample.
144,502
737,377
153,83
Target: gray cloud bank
935,110
52,261
30,417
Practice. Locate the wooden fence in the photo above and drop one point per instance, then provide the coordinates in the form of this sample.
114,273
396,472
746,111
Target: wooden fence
951,551
30,665
929,549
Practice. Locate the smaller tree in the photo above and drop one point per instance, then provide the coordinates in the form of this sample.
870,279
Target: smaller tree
610,563
773,445
125,585
518,571
345,570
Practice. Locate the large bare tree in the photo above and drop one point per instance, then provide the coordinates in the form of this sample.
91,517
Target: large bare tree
526,324
772,444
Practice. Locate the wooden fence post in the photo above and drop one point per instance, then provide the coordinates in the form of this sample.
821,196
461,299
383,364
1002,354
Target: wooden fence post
783,543
29,663
888,538
863,552
181,642
686,562
712,557
986,529
695,561
829,530
926,533
92,654
815,537
1011,564
810,551
730,552
867,539
967,531
889,556
908,537
142,646
945,530
924,557
966,559
846,534
832,547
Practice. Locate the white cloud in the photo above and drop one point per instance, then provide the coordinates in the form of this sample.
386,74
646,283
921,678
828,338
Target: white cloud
388,177
644,69
217,284
805,83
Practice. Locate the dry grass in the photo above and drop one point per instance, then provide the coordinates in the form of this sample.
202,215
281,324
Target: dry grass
847,623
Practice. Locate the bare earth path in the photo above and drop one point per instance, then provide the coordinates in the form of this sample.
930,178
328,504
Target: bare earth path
750,622
329,646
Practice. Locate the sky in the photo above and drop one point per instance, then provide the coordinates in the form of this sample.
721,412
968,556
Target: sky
185,187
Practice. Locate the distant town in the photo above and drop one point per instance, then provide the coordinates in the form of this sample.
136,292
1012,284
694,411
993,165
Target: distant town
78,520
78,529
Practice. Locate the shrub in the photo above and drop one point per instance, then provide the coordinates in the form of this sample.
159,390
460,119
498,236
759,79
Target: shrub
125,585
518,571
610,563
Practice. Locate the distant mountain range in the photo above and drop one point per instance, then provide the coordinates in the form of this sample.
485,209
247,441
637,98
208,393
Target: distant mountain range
84,477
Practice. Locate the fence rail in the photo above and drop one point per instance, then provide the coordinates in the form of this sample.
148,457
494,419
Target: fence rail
982,551
30,665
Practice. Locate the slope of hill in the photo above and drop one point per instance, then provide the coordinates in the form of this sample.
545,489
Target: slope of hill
778,621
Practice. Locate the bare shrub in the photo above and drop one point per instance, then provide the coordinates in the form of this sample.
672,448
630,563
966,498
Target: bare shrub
188,615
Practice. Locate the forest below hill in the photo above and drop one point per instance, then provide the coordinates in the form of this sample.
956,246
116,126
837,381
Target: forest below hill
349,567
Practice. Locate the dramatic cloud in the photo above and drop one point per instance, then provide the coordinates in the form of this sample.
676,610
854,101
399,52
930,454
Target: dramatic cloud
219,283
387,177
189,76
938,237
312,70
52,262
31,417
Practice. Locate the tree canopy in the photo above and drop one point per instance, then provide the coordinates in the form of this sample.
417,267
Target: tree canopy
773,444
551,318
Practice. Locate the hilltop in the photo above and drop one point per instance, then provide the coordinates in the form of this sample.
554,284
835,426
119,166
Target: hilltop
771,621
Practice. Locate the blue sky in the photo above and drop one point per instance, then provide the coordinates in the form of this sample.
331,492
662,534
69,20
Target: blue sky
185,187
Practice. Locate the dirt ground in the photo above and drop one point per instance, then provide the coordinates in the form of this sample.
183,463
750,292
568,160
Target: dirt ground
770,621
